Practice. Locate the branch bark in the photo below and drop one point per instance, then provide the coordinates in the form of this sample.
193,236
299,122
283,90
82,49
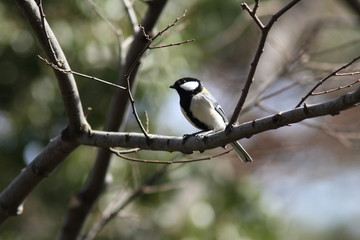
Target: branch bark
12,198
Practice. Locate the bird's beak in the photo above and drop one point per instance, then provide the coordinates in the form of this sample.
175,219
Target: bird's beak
172,86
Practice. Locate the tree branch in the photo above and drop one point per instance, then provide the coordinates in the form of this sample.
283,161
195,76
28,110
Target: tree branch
168,143
334,73
252,13
134,111
41,167
336,89
260,49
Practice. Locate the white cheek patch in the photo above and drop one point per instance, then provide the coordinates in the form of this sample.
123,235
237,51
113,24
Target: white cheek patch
189,86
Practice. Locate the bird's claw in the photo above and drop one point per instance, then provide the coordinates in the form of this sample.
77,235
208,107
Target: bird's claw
186,137
198,136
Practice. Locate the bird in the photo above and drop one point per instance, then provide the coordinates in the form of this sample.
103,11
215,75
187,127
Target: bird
203,111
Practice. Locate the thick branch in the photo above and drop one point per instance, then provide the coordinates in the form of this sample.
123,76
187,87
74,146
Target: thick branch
13,196
66,82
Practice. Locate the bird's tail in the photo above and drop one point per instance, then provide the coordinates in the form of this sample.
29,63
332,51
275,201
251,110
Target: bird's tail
241,152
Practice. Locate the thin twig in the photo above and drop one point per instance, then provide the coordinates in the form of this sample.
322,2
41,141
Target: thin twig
132,102
178,28
133,150
252,13
172,44
335,89
103,16
277,15
136,62
42,14
256,5
119,154
150,40
324,79
56,67
147,36
348,73
118,33
170,25
260,49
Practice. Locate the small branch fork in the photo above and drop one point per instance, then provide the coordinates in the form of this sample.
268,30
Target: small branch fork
336,89
252,13
151,39
265,29
335,73
136,62
103,16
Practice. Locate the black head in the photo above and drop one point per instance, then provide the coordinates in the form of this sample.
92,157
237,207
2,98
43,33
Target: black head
188,86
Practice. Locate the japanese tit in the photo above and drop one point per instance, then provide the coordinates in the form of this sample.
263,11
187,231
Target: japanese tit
202,110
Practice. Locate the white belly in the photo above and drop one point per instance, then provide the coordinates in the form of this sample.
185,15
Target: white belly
203,110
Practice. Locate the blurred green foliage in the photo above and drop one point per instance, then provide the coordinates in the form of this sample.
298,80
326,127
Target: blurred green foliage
207,200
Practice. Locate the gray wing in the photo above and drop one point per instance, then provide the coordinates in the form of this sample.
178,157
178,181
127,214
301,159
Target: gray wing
216,105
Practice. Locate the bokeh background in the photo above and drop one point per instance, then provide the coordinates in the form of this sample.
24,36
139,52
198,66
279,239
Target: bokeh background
304,182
